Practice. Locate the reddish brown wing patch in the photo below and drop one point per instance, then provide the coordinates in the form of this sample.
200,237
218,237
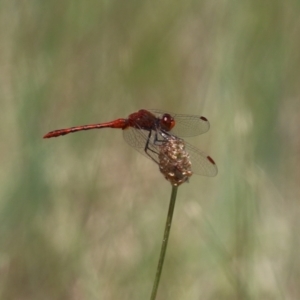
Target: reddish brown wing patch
211,160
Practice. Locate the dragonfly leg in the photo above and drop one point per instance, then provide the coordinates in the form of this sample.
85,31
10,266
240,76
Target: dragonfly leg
150,151
163,134
160,137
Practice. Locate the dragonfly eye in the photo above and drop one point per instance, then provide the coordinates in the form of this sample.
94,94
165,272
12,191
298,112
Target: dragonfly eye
167,122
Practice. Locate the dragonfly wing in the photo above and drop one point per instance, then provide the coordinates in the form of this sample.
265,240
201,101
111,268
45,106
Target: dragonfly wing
185,125
137,138
202,164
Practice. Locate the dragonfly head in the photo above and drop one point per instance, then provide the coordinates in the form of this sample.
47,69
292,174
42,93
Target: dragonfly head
167,122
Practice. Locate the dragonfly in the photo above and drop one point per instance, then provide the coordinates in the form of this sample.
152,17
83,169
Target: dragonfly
146,130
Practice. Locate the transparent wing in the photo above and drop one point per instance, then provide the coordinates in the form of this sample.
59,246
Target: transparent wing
202,164
137,138
185,125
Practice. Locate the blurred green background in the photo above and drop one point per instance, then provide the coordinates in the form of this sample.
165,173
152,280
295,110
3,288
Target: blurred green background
82,216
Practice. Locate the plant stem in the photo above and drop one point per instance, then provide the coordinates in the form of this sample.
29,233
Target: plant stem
164,242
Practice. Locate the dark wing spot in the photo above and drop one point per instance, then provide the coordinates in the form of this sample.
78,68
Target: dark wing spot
211,160
204,119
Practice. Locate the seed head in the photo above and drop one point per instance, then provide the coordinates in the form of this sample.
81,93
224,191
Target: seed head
174,161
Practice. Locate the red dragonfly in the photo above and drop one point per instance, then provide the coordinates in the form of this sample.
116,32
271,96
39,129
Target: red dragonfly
145,130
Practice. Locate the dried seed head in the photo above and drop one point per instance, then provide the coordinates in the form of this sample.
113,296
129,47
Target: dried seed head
174,161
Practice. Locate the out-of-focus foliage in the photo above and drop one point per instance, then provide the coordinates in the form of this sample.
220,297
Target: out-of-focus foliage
82,216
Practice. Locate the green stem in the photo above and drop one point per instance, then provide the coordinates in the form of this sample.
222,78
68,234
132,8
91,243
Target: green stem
164,242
